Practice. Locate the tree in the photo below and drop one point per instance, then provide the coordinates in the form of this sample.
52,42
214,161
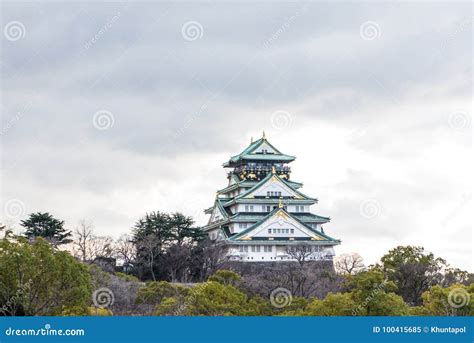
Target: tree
300,253
176,262
452,276
338,304
155,234
456,300
310,280
46,226
226,277
374,295
349,264
215,299
88,246
125,251
413,271
165,298
36,279
208,256
149,250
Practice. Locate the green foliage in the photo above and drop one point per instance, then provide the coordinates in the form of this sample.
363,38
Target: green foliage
413,270
159,239
258,306
215,299
374,296
167,228
127,277
169,307
338,304
154,292
36,279
46,226
456,300
418,311
85,311
296,307
370,295
226,277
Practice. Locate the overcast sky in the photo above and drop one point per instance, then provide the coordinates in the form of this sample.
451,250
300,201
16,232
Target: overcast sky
110,110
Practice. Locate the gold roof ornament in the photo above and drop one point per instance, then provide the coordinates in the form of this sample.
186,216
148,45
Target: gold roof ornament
273,170
280,202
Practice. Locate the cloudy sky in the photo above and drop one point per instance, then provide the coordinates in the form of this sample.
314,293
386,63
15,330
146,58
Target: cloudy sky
113,109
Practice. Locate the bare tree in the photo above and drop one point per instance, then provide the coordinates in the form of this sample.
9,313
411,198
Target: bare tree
150,245
300,253
214,257
349,264
176,262
88,246
83,235
125,250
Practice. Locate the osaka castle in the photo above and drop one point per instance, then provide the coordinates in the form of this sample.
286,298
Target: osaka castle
262,215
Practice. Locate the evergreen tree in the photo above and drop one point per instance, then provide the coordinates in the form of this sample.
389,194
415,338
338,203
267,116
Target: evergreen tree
163,242
46,226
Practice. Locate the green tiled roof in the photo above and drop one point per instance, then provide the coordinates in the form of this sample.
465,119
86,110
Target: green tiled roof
304,217
246,183
248,154
265,179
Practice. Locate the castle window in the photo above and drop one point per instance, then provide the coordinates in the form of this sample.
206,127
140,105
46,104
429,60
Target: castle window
297,208
292,230
269,230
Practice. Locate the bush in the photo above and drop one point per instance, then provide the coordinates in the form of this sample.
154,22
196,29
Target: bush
36,279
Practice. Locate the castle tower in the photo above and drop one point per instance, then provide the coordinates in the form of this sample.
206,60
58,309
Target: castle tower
262,215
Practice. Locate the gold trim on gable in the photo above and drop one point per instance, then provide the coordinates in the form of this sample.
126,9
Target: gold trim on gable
317,238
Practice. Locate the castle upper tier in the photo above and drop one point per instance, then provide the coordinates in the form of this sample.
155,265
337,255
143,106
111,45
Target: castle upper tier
262,215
